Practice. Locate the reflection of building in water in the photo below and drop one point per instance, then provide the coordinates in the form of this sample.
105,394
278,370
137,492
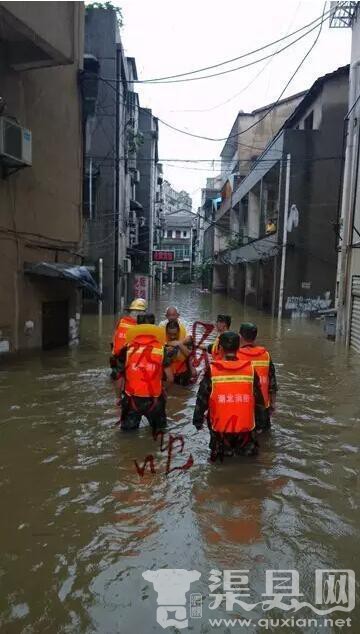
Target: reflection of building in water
230,508
140,520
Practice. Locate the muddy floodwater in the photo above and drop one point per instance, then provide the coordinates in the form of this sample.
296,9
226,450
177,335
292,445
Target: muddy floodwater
79,525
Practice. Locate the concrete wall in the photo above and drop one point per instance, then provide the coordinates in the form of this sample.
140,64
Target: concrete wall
260,135
315,183
145,190
40,206
354,138
101,40
51,25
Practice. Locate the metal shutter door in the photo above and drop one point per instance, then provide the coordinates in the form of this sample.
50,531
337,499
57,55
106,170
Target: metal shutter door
355,315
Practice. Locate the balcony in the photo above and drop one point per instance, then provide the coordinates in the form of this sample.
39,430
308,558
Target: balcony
255,249
36,36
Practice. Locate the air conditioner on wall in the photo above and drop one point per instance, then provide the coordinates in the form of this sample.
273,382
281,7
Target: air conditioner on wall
15,144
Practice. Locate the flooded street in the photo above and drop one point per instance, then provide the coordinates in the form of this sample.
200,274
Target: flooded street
79,526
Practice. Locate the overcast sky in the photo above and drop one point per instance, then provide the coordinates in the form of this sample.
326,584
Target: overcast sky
168,37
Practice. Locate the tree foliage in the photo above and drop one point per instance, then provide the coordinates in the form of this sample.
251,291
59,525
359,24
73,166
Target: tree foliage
107,6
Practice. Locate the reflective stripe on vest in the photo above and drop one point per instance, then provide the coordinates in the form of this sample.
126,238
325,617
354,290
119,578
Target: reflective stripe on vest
260,360
119,339
144,367
232,402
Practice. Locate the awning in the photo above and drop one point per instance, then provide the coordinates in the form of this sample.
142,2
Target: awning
72,272
135,206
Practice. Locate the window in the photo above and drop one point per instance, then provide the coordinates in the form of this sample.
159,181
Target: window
169,233
185,234
90,210
178,233
309,121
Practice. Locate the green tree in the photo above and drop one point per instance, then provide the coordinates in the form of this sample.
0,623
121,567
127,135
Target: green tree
107,6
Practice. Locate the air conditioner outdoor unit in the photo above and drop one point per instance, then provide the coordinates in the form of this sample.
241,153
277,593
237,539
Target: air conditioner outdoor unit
15,144
132,217
127,265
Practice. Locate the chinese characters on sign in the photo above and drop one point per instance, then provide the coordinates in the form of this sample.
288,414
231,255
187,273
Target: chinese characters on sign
141,286
163,256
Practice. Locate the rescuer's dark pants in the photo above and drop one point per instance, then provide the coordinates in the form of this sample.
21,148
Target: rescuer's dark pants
262,419
134,407
226,444
183,379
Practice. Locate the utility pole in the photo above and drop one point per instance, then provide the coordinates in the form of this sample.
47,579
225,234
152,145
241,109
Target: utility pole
117,186
284,244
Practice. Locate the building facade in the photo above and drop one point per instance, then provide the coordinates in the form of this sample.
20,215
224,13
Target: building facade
210,200
174,200
275,236
347,15
41,204
111,118
179,236
250,134
147,195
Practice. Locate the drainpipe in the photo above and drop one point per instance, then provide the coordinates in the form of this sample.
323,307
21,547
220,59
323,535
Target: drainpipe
344,257
100,305
90,189
284,244
191,252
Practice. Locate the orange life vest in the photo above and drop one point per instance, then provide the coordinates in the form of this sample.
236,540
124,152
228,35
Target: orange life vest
144,367
260,360
119,338
232,402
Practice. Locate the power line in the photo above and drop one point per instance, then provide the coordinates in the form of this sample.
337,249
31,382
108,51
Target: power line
149,113
257,161
234,59
198,136
232,70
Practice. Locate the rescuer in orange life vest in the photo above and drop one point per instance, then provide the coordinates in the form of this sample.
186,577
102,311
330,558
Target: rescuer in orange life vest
265,369
229,392
222,324
143,365
137,307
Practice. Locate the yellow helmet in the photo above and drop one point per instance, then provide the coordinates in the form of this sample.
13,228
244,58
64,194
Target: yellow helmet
138,304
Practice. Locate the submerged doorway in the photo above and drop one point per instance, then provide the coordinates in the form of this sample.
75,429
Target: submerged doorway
55,324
